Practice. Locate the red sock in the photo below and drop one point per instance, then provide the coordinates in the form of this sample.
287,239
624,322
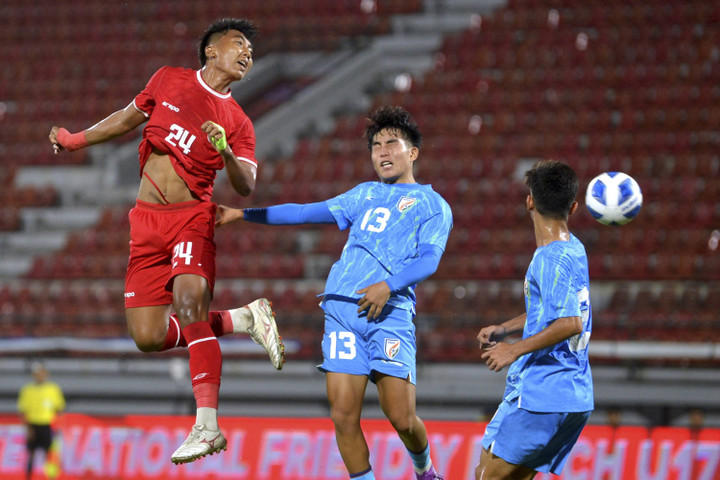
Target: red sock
205,363
174,336
220,322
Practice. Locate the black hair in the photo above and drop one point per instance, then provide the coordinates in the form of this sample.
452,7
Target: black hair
222,26
553,186
393,118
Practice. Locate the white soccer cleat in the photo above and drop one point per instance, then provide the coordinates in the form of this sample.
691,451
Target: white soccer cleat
264,331
199,443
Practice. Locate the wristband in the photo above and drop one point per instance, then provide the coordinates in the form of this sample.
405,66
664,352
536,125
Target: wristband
221,143
71,141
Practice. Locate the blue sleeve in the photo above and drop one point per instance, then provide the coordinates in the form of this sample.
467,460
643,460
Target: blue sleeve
418,270
344,207
436,229
290,214
559,296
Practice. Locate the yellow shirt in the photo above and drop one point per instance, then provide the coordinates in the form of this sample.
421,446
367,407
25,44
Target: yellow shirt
40,402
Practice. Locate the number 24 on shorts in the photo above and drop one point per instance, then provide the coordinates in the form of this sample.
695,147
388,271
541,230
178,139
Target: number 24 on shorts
182,251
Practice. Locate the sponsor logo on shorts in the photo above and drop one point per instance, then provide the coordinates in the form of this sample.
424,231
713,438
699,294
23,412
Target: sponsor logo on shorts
392,347
129,294
200,376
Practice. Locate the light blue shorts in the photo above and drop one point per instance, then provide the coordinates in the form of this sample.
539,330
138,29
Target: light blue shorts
538,440
358,346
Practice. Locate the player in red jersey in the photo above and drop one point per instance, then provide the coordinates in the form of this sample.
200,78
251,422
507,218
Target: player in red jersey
194,128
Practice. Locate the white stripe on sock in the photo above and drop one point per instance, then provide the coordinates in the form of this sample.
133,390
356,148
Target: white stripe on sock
201,340
177,325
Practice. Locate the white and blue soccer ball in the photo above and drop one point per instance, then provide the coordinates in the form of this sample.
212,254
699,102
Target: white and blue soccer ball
613,198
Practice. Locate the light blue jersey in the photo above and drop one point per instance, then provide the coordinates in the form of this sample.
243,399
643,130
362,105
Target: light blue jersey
556,378
387,224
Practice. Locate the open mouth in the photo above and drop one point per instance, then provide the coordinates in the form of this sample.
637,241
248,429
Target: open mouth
386,164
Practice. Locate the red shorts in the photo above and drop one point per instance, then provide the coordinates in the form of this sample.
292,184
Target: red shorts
165,241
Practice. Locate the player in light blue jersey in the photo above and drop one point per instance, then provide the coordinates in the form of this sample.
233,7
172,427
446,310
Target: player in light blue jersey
398,231
549,393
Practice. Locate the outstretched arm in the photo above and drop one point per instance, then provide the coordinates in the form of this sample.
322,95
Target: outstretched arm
114,125
503,354
285,214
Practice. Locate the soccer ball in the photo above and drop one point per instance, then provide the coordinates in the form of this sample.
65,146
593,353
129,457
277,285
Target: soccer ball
613,198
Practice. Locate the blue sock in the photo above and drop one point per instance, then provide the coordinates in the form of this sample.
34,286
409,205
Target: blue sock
366,475
421,460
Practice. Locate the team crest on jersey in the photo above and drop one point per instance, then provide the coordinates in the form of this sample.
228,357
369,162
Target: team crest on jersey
392,347
405,203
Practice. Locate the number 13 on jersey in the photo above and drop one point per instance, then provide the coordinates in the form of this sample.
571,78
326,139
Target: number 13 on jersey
380,217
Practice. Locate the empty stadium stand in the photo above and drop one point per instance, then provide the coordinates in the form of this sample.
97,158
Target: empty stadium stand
601,85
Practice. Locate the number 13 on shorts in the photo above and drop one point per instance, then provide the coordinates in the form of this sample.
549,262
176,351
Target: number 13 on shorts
342,345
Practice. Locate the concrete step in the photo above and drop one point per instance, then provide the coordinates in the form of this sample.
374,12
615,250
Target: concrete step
33,243
68,218
13,265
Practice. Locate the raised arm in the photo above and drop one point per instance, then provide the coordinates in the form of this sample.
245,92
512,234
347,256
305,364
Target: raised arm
241,173
114,125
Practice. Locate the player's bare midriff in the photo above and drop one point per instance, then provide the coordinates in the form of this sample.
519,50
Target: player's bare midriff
159,168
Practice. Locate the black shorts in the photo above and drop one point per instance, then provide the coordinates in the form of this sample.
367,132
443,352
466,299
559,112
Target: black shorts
39,436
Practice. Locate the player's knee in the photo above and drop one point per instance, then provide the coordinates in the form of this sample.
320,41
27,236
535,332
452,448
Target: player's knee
191,299
344,419
148,339
402,422
189,310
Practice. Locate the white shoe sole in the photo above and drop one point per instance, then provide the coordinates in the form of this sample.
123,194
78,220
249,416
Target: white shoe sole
191,458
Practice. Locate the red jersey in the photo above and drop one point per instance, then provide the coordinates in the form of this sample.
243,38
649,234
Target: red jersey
177,101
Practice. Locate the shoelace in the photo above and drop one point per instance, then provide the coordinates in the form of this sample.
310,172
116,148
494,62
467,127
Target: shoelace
195,434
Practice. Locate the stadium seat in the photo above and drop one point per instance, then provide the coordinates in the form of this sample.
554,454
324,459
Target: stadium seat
640,97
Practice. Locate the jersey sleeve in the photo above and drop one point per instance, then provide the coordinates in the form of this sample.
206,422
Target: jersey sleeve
436,229
144,101
242,142
59,400
344,207
559,295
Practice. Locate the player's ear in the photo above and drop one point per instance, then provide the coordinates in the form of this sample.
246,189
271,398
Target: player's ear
414,152
573,207
529,203
211,51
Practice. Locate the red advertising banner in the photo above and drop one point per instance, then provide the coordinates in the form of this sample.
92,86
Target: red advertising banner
139,447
